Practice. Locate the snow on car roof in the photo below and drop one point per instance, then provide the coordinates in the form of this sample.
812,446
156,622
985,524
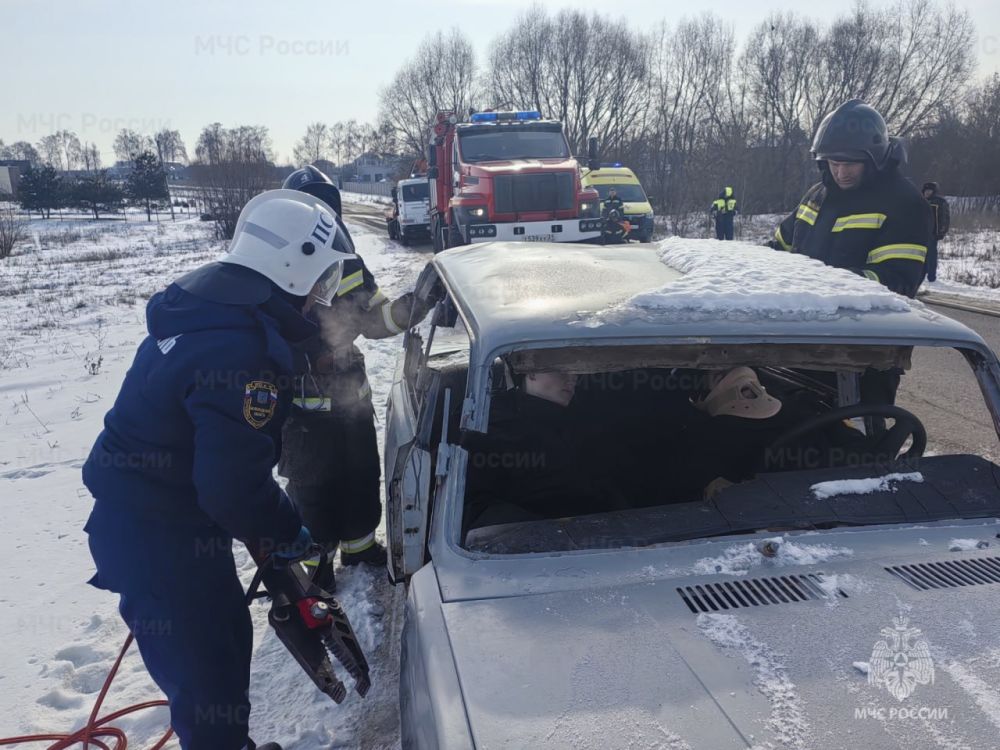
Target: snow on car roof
706,289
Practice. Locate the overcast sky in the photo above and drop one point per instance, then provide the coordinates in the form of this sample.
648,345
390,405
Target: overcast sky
95,66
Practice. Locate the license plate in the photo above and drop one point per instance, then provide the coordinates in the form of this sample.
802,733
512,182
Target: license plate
539,238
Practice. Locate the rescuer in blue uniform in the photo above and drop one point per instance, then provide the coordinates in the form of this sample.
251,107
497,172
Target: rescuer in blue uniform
184,464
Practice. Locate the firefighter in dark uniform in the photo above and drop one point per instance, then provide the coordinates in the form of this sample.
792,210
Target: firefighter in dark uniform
863,215
724,211
184,464
330,451
940,223
613,203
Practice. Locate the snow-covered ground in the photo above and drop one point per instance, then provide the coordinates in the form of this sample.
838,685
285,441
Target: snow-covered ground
72,304
380,200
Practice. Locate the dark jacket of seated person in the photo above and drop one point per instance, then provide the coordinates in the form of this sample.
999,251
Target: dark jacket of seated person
537,459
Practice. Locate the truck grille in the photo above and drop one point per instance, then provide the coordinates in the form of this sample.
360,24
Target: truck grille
521,193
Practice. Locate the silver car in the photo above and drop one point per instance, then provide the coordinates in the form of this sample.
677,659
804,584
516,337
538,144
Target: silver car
806,577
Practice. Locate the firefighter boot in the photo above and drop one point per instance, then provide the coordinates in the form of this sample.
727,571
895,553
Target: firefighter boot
363,550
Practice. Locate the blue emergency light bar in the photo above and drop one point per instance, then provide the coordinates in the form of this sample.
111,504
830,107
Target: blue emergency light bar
615,164
497,116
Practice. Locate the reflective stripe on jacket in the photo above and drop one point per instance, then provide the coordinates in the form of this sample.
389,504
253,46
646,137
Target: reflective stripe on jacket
878,230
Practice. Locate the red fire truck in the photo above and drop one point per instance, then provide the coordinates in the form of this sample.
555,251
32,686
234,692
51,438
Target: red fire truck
506,176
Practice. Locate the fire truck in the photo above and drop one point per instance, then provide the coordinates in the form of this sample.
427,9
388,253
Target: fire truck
506,176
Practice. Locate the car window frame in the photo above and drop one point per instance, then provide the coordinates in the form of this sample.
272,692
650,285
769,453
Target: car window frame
446,534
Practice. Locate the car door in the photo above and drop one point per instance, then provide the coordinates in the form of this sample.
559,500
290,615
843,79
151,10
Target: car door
415,431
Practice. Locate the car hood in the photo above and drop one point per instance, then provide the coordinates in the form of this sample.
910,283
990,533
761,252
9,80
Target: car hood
636,207
632,666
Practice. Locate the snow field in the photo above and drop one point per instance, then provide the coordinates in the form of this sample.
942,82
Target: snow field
72,308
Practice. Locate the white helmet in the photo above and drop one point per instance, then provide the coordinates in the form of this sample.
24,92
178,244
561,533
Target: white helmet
293,239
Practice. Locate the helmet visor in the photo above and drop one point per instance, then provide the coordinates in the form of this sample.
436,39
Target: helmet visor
325,288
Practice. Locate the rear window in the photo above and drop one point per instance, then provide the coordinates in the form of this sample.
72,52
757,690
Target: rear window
415,192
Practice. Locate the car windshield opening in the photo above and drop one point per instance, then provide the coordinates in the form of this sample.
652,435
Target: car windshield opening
417,192
610,452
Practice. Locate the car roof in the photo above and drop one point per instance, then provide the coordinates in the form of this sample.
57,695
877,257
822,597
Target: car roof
548,294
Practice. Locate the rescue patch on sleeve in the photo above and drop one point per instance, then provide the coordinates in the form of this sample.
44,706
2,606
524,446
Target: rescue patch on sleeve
259,403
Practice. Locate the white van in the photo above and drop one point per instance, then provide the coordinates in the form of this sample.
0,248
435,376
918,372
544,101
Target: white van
409,218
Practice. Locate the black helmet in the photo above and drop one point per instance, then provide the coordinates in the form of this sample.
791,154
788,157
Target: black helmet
932,186
853,132
310,180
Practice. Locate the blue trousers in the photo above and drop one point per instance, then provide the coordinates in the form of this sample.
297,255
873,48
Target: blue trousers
724,227
183,602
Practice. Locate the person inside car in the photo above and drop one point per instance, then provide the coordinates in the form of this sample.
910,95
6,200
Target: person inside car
536,459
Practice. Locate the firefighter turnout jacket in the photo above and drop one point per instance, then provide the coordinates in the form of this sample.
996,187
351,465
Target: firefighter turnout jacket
332,382
878,230
941,216
334,374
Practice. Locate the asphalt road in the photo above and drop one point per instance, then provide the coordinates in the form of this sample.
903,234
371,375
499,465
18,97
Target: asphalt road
370,215
942,391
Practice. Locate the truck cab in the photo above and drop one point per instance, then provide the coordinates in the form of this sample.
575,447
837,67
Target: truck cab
637,208
409,218
506,176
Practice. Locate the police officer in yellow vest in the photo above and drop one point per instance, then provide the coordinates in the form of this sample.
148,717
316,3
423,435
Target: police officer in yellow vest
724,211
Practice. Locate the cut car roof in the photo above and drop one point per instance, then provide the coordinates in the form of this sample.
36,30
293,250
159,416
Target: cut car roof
700,291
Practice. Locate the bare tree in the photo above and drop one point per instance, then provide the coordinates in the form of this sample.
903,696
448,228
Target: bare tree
234,165
169,146
90,157
61,150
22,151
314,145
129,144
908,61
383,139
552,65
211,144
441,76
777,62
693,90
13,228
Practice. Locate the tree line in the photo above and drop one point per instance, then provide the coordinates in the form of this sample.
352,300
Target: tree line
67,173
45,189
691,109
684,103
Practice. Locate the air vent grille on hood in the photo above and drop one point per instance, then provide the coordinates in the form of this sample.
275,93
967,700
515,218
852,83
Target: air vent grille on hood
949,574
754,592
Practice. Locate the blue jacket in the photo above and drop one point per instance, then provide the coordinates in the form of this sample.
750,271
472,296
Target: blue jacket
196,429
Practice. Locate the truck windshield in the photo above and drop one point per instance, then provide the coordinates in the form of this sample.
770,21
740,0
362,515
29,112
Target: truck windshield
416,192
627,193
505,143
